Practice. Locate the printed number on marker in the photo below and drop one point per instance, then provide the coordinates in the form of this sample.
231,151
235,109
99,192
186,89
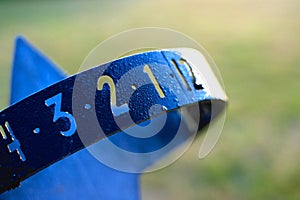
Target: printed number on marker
57,100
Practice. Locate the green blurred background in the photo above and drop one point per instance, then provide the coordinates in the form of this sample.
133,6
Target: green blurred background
256,47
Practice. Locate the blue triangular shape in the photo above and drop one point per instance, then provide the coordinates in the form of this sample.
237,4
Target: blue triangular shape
31,71
79,176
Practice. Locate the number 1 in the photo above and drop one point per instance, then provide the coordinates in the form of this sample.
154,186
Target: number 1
148,71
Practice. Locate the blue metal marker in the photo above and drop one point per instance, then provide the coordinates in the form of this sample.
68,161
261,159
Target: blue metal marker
43,127
79,176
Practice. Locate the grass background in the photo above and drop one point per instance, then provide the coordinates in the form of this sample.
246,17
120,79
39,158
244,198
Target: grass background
256,46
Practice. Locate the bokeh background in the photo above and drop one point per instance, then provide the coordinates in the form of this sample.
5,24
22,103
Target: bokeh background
256,46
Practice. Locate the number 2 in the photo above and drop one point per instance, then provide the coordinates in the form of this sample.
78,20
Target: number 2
56,100
116,110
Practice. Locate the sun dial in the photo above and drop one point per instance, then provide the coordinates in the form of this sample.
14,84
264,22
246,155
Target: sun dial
54,119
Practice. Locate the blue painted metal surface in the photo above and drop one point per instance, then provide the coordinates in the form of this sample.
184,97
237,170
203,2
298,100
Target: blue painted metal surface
31,71
79,176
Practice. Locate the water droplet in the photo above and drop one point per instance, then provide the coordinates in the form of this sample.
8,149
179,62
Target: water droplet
164,108
36,131
134,86
87,106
